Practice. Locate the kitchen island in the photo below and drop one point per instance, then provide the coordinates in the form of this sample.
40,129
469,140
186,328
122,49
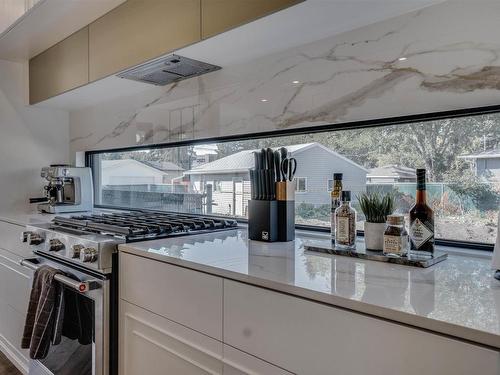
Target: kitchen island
260,290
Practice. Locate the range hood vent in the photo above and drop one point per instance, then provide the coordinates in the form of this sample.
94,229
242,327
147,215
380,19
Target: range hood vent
168,69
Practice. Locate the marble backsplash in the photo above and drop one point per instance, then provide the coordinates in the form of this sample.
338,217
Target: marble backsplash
443,57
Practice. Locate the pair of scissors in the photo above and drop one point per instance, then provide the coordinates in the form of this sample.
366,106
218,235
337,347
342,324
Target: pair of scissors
288,168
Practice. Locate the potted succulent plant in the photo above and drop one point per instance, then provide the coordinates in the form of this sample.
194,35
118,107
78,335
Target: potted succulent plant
376,207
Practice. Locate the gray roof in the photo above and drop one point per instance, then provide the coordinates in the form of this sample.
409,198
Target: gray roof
494,153
392,170
242,161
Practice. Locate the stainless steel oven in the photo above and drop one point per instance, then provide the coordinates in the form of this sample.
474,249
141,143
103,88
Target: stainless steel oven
77,356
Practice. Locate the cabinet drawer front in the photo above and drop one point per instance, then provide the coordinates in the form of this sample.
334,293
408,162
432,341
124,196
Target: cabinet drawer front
238,363
191,298
218,16
139,30
15,282
62,67
153,345
10,239
310,338
11,331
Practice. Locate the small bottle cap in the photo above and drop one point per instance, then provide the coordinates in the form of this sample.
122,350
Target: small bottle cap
395,219
346,196
337,176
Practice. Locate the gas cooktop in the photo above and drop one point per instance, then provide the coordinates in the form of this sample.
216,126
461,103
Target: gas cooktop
141,225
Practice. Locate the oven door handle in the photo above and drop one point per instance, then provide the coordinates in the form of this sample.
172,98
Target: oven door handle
79,286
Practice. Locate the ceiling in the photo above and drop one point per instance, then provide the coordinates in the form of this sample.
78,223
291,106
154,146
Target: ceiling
303,23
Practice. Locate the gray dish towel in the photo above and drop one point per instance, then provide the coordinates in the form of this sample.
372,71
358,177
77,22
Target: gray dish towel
39,325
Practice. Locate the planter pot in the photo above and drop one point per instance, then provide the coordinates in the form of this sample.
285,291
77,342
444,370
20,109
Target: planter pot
374,236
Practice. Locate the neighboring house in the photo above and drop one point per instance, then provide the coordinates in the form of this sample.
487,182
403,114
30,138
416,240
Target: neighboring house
390,174
486,164
316,165
133,172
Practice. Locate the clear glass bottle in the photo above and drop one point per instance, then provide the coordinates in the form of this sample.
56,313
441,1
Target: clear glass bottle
345,224
395,236
335,201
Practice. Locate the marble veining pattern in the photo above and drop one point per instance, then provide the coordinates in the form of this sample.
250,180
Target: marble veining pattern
458,296
448,63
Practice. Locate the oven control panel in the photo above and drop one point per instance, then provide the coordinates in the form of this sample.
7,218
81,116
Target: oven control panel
89,251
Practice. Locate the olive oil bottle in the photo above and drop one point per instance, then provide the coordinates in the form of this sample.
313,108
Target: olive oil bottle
421,222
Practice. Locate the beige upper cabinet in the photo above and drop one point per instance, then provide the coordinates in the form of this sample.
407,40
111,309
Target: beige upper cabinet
139,30
218,16
62,67
135,32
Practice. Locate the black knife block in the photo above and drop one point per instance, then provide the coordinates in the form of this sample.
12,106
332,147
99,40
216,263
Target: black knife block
271,221
263,220
286,221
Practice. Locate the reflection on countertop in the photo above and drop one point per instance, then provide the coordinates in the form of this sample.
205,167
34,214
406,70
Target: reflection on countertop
458,297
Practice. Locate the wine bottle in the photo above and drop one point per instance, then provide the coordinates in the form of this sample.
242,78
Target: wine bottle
421,222
335,201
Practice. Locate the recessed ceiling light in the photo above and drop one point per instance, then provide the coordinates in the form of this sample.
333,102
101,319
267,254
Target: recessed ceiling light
263,100
403,58
295,82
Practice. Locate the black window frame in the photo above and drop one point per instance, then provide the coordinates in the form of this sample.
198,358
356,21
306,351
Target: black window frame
363,124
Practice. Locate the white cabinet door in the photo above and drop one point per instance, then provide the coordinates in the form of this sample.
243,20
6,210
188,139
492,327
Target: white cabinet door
188,297
309,338
153,345
238,363
15,286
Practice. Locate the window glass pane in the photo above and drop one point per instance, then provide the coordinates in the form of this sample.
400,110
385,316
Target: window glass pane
462,158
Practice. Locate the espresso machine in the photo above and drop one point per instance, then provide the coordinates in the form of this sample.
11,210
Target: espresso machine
67,189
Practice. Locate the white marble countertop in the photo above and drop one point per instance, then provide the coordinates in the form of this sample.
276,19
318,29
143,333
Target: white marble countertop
457,297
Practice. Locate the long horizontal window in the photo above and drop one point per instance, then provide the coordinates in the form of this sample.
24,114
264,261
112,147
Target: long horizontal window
461,155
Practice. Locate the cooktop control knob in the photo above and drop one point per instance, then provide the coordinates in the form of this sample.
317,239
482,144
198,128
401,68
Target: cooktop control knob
88,255
35,239
76,250
25,236
55,245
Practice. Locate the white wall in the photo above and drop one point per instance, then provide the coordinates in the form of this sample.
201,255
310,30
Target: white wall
30,138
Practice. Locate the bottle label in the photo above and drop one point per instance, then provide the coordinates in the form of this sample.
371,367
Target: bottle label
395,244
420,233
342,229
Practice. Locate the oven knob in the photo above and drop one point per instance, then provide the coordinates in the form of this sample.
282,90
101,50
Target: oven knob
88,255
76,250
35,239
55,245
25,235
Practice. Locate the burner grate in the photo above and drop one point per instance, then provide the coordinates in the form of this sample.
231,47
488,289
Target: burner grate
140,225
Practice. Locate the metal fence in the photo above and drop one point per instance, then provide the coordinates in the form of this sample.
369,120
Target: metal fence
154,200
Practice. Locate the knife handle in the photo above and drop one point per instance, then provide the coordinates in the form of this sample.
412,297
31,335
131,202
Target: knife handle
257,160
252,184
262,183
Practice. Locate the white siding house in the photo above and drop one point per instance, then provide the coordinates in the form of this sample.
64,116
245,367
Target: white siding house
316,165
486,165
133,172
